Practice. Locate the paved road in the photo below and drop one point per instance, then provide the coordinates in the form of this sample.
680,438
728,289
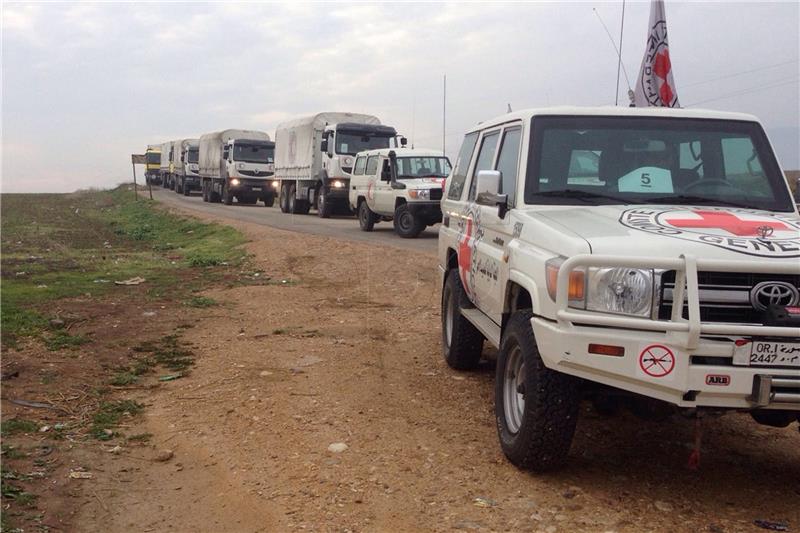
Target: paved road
338,227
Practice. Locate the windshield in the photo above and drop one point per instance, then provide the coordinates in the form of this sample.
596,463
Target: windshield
352,143
254,153
153,157
192,155
628,160
422,167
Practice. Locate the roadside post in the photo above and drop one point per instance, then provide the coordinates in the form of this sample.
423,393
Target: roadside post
137,159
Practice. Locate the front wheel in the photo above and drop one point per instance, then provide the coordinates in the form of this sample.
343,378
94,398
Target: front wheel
227,197
366,218
406,224
462,343
324,207
536,408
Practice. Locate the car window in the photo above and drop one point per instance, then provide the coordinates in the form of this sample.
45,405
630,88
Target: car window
742,167
485,159
459,175
361,163
507,161
372,165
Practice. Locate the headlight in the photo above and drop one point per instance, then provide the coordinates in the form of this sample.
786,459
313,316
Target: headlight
348,161
420,194
337,184
234,182
276,184
627,291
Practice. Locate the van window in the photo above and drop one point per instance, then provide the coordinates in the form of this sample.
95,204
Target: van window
361,163
485,159
459,175
372,165
507,162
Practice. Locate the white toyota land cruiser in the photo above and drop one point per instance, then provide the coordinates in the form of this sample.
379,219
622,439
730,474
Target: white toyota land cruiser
400,184
649,254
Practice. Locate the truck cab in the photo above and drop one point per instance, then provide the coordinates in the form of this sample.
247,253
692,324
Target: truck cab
339,145
247,167
399,184
189,178
645,254
152,172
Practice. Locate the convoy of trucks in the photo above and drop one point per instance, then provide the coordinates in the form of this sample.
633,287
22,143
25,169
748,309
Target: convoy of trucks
646,258
237,164
315,155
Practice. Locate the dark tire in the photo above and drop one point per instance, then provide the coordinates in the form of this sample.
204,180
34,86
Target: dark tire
406,224
213,196
283,198
227,197
291,199
366,218
462,343
204,191
302,207
185,190
536,408
324,205
269,200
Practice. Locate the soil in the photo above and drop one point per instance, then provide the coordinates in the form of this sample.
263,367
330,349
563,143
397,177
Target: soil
342,345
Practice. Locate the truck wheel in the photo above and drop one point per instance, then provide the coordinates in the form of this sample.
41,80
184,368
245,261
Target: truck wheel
283,199
227,197
536,408
406,224
324,206
462,343
269,200
366,218
185,190
213,196
204,191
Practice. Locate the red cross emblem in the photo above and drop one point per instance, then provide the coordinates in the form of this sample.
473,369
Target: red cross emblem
661,68
725,221
465,255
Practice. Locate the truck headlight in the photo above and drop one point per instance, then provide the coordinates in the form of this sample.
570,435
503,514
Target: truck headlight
234,182
276,184
622,290
420,194
337,184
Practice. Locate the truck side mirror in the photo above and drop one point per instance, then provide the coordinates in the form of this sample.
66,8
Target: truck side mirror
487,191
323,146
403,142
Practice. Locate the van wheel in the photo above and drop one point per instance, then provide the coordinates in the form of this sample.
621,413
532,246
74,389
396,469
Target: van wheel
406,224
227,197
324,207
462,343
536,408
366,218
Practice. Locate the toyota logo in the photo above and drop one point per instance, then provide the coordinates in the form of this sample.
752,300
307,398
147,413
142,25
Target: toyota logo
769,293
765,231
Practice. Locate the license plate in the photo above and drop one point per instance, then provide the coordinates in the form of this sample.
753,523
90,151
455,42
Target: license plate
256,188
767,353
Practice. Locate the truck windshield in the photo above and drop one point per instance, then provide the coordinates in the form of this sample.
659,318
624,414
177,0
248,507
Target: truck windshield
422,167
352,143
192,155
631,160
253,153
153,157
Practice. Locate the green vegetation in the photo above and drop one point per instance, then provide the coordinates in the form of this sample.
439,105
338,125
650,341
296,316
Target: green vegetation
109,415
59,246
201,301
17,425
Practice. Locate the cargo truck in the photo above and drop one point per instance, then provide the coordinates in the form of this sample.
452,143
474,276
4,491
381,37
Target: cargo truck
315,155
152,164
237,164
187,168
167,166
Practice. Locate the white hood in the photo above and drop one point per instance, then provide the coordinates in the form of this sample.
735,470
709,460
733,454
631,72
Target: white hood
669,231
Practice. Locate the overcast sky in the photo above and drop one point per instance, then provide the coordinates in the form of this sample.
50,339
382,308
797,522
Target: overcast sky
86,85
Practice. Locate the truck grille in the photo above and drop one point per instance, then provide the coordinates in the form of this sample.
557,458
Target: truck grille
436,194
724,296
256,173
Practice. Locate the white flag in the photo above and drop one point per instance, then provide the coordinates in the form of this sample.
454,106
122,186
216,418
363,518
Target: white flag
655,85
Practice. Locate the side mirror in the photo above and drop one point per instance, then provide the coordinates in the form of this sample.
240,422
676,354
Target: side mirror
403,141
487,191
386,175
323,146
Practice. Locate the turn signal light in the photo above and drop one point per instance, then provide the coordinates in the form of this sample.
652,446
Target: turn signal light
605,349
577,282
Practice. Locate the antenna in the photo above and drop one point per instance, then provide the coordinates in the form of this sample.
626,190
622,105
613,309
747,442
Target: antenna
413,118
619,55
619,62
509,109
444,112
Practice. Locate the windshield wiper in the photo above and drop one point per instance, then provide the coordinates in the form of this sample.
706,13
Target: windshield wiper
587,196
699,200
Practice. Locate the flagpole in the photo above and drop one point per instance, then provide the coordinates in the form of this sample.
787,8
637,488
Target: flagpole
444,112
619,61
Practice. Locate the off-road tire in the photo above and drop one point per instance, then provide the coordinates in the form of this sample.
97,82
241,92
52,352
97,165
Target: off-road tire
406,224
551,401
324,205
366,218
462,343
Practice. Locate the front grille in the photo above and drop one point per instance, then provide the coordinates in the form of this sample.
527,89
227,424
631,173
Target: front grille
255,173
436,194
724,296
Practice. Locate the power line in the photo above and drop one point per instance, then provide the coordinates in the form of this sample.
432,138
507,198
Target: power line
779,83
740,73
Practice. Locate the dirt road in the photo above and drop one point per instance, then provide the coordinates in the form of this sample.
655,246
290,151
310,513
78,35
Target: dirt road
343,347
339,227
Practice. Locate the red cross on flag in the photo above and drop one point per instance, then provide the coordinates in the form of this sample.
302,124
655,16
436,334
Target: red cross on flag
655,85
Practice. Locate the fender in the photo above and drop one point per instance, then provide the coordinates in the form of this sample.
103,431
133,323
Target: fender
527,283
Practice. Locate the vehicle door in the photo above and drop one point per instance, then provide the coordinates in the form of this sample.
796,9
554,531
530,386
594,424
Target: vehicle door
372,180
358,181
384,193
500,150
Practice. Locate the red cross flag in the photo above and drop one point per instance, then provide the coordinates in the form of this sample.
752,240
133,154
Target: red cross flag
655,85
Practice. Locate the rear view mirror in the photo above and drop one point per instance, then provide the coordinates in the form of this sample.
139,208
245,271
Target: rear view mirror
323,147
403,141
487,191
